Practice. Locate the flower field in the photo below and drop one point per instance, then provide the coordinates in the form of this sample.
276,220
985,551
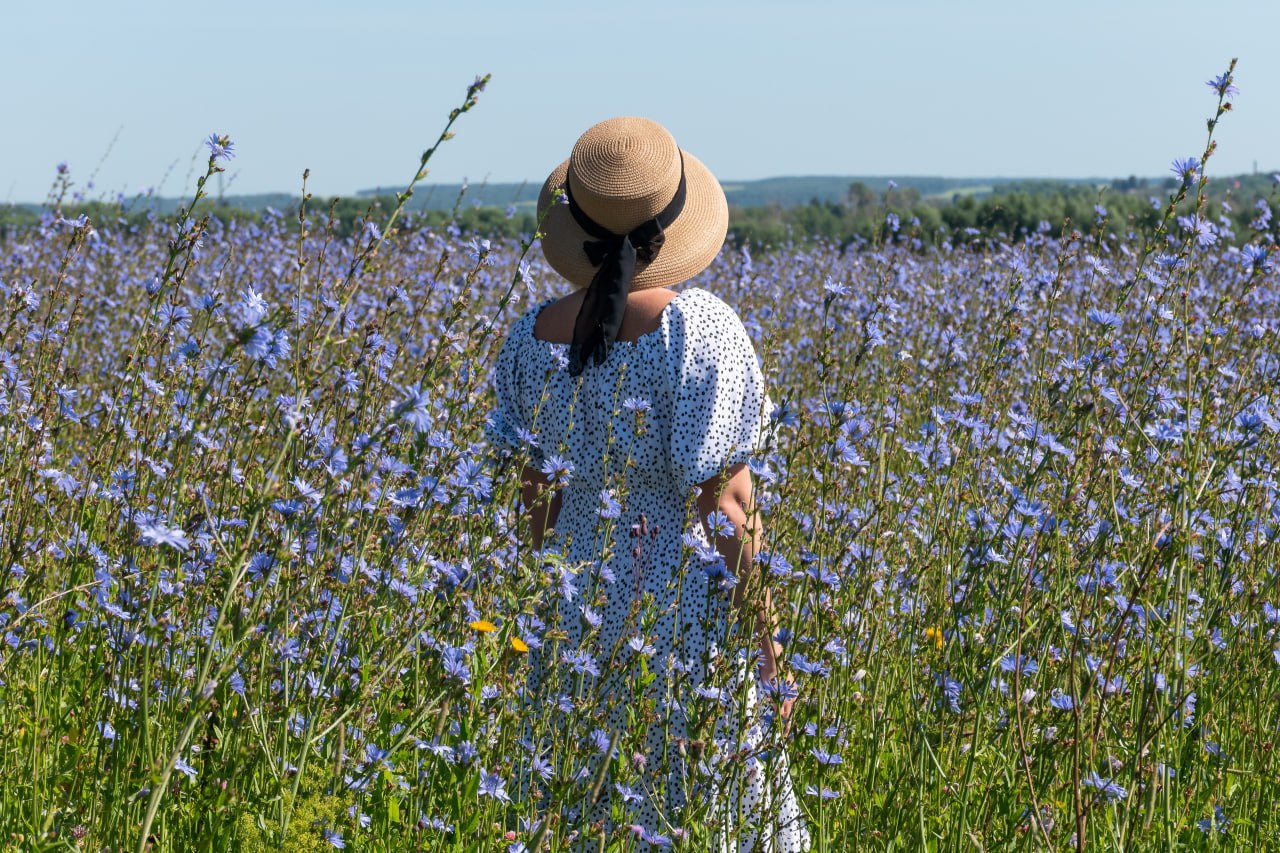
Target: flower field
264,584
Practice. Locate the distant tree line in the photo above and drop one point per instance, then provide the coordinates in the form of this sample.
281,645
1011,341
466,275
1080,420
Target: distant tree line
1010,211
344,215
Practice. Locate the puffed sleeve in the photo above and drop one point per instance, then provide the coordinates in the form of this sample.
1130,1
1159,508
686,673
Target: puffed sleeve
508,424
721,409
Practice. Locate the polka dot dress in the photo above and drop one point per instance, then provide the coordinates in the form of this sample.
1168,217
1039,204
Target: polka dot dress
632,437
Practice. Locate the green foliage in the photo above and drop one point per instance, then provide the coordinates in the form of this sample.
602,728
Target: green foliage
946,209
314,808
1010,212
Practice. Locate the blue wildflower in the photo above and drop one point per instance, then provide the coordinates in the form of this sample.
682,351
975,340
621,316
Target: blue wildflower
720,524
1205,234
465,753
492,785
1218,821
414,407
1061,701
610,507
1263,219
581,662
1255,256
253,306
802,664
1013,662
951,689
455,664
629,795
153,532
558,470
1108,789
639,646
1186,168
1106,319
1223,84
826,759
220,146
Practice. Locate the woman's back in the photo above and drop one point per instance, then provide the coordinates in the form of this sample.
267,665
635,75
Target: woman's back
678,402
644,312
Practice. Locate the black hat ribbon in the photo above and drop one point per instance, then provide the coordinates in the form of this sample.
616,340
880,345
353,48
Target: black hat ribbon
600,317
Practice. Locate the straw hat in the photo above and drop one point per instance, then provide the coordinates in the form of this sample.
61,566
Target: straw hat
622,173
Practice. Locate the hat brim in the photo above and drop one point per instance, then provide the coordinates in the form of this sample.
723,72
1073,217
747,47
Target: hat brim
692,241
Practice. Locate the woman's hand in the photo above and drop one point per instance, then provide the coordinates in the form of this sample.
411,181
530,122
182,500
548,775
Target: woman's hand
542,503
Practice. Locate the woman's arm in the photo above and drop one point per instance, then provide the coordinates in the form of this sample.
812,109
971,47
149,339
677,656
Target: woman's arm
731,494
543,508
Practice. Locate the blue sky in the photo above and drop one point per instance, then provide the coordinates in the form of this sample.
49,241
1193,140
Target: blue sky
355,91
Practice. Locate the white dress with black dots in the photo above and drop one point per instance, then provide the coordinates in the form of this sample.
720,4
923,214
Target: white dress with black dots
670,410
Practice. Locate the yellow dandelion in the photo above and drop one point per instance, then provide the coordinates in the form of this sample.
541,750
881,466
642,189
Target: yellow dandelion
935,634
519,645
483,625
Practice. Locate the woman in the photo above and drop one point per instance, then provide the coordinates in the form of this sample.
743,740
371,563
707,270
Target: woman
639,406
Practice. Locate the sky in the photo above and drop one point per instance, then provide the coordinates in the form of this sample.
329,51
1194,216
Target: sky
126,91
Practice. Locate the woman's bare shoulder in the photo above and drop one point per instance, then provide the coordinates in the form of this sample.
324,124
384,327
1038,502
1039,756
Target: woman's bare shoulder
555,321
644,314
